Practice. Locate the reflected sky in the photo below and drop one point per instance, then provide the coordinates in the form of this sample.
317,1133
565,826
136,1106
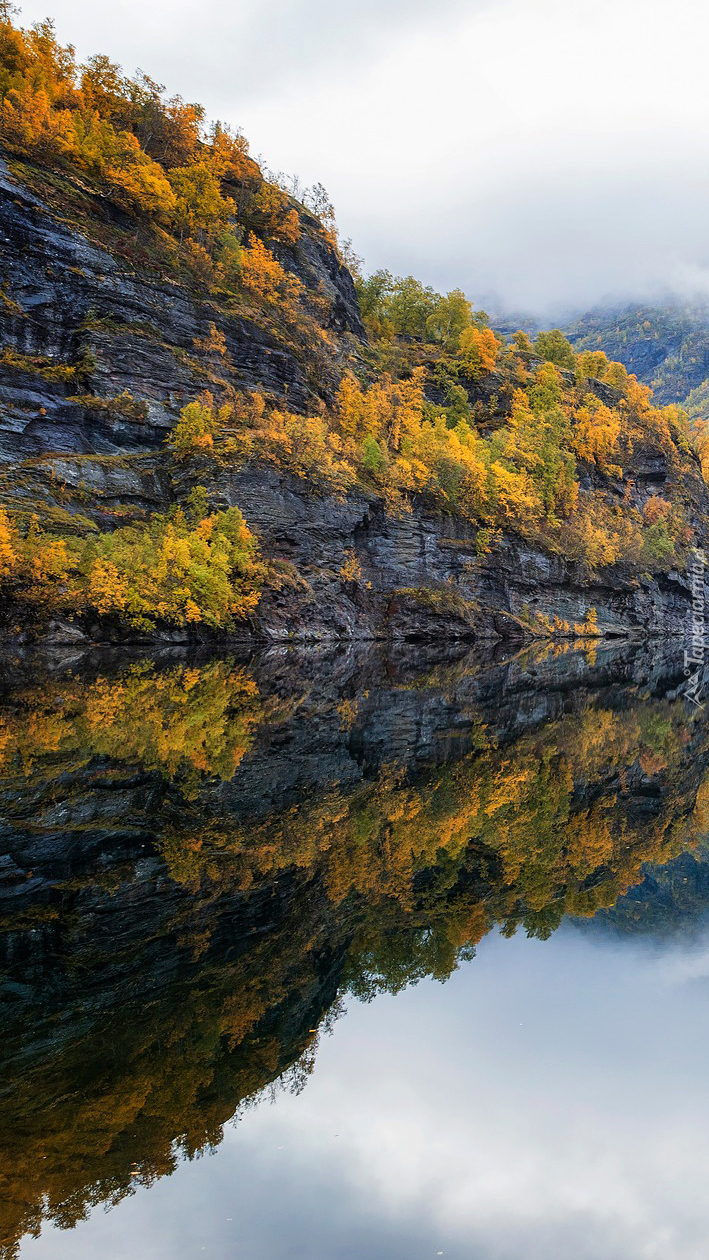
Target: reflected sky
550,1101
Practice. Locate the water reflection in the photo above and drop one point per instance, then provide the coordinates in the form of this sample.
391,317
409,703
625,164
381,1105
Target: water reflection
204,857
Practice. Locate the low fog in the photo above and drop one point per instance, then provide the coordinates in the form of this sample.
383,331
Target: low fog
545,158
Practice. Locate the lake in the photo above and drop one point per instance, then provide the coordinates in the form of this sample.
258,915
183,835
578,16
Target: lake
351,953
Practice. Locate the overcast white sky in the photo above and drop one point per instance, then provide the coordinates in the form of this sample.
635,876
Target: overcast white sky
553,152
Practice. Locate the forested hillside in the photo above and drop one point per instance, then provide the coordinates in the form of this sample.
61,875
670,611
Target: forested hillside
665,345
208,425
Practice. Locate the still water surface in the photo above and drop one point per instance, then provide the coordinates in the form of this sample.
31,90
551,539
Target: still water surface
354,958
550,1100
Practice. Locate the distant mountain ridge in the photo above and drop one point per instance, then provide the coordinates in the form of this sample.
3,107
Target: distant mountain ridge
665,345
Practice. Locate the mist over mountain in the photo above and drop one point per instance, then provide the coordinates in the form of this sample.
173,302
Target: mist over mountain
665,344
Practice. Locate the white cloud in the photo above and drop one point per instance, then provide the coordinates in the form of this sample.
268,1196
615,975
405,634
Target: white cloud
556,152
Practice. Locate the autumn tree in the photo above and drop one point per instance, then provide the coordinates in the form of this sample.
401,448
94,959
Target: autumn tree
478,349
173,570
9,542
596,433
29,123
554,347
522,344
132,178
263,276
200,422
200,209
452,314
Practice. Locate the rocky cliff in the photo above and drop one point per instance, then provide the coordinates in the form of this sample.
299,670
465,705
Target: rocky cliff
85,324
99,357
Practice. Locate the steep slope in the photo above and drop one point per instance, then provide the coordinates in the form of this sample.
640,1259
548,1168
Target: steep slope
93,450
99,356
207,430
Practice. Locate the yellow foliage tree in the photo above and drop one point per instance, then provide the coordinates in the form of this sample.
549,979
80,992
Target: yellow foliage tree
167,570
389,410
199,423
479,349
9,542
200,210
132,178
264,277
30,124
595,434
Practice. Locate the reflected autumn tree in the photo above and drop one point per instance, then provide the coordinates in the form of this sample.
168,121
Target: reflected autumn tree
561,822
168,984
186,723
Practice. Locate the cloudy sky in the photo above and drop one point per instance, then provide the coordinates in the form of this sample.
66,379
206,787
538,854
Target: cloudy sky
555,153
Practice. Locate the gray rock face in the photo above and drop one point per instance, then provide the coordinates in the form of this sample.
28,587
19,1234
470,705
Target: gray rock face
341,568
314,262
74,304
344,568
421,577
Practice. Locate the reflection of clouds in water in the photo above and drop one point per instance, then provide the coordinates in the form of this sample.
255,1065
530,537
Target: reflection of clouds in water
562,1128
550,1101
682,968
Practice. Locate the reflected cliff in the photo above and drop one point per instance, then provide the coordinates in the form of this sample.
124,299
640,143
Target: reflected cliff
201,859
